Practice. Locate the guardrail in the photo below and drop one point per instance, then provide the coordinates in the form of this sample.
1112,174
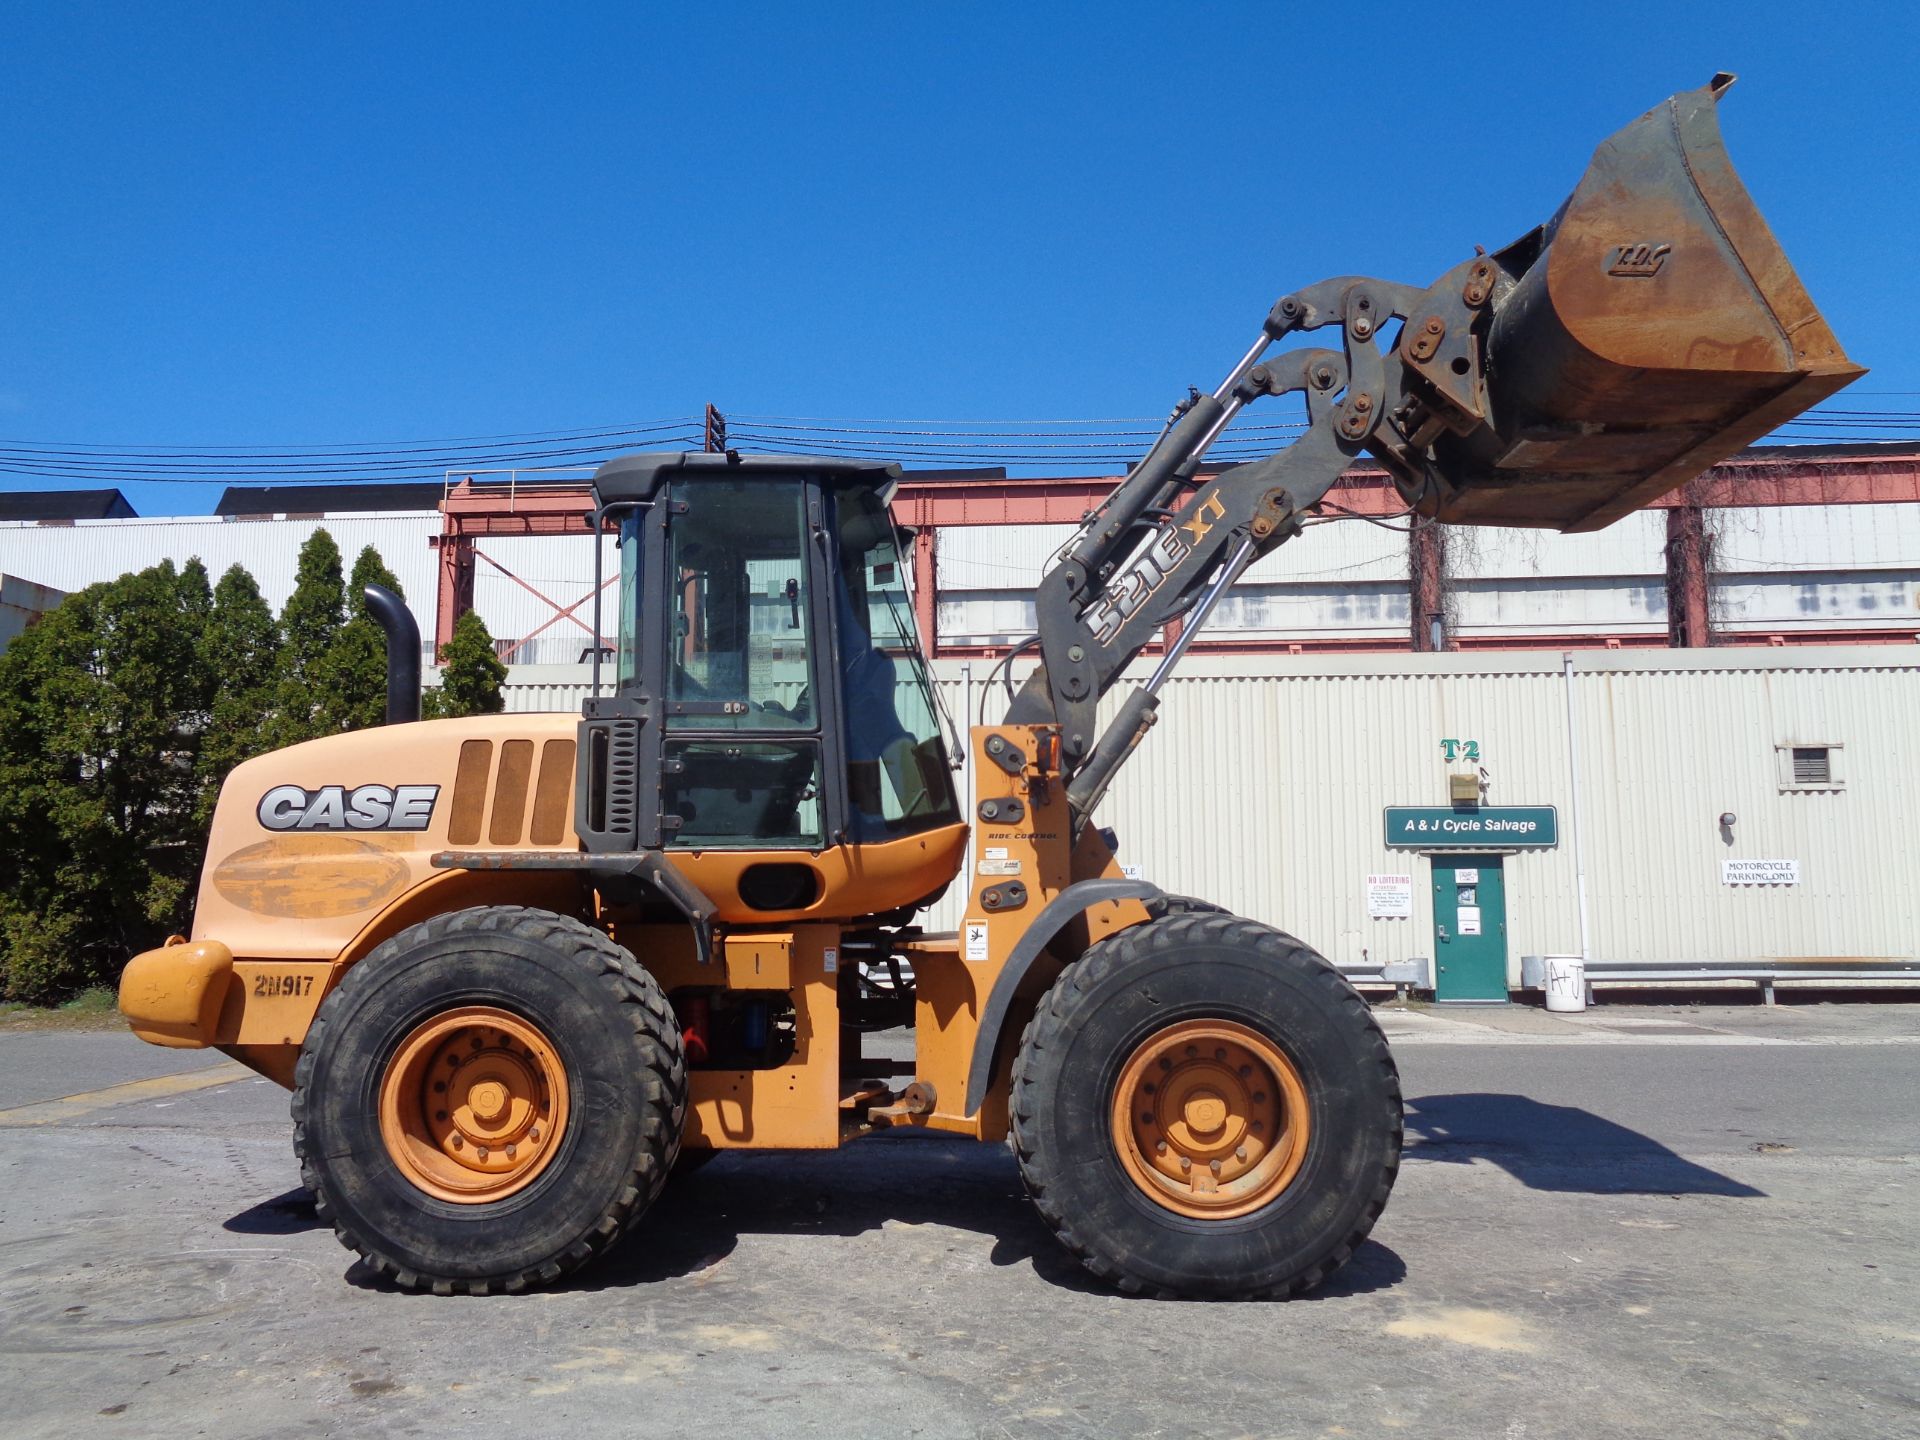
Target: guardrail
1764,973
1415,973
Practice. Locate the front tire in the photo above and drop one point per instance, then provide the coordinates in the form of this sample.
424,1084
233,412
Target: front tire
489,1100
1204,1107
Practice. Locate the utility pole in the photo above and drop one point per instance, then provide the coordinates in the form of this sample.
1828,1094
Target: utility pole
715,440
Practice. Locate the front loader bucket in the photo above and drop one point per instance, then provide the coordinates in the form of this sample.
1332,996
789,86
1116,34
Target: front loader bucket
1652,327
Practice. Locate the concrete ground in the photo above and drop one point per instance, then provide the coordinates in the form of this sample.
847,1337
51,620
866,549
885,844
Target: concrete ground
1636,1222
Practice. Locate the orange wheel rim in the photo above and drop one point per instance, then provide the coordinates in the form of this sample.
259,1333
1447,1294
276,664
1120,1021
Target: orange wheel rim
473,1104
1210,1119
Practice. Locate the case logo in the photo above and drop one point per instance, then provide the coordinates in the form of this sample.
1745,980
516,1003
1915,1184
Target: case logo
335,807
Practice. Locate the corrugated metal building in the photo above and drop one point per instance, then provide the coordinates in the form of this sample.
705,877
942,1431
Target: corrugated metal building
1777,570
522,584
1265,783
22,603
75,556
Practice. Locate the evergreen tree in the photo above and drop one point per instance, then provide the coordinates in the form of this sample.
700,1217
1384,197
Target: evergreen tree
239,651
102,709
470,673
309,624
196,594
354,696
196,612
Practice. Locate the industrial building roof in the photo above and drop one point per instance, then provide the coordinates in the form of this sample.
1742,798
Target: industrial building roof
64,505
328,499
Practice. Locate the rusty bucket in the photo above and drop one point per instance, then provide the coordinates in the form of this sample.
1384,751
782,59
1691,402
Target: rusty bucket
1652,327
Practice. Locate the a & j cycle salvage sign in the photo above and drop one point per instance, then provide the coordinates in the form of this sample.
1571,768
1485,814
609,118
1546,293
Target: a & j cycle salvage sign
1483,827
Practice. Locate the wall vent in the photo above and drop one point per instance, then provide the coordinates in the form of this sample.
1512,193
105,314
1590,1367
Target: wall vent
1810,766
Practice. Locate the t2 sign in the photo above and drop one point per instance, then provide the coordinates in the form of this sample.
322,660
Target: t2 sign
1468,750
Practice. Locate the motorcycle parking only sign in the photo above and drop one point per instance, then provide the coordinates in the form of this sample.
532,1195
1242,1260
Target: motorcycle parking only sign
1759,872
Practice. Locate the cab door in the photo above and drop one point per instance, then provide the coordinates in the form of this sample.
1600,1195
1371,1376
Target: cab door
749,738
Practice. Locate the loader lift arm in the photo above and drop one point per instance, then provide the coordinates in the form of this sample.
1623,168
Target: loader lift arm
1652,327
1166,544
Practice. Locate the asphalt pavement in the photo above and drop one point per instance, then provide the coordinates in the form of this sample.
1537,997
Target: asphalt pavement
1636,1222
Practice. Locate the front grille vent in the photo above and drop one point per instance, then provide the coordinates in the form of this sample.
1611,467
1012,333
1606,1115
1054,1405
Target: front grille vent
609,796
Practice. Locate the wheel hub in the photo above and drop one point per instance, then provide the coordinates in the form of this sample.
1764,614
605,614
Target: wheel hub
1210,1119
473,1104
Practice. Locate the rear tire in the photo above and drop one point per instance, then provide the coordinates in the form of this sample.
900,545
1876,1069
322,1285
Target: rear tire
1207,1038
428,1076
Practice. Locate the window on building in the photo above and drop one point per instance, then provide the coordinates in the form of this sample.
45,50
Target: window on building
1807,766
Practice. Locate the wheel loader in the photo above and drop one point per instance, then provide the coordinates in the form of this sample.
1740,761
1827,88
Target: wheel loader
513,968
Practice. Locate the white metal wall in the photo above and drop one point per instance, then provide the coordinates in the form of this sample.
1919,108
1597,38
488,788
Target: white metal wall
1778,569
1263,784
1801,567
559,567
72,557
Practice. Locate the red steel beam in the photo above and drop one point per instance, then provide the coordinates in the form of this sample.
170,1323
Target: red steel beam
1779,476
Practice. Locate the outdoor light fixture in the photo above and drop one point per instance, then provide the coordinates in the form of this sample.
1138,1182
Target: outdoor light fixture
1727,817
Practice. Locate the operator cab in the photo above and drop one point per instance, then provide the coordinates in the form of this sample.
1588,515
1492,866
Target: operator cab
767,689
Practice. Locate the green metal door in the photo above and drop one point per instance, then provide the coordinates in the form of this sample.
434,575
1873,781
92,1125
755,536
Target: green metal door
1469,927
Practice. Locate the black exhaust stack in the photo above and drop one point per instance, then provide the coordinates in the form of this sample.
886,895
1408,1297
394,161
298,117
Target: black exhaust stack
390,613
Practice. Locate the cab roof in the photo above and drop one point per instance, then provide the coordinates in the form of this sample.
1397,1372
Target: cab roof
640,476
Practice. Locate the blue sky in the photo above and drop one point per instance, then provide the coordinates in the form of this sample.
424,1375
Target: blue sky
268,224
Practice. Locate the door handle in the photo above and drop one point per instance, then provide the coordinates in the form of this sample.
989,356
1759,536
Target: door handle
1444,936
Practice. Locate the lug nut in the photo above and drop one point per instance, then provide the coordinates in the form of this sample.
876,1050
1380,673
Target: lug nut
534,1134
1259,1097
1241,1154
1148,1089
458,1142
1185,1163
510,1150
1219,1053
439,1114
1214,1165
1159,1147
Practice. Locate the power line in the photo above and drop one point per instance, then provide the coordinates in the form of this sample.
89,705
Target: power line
1101,442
